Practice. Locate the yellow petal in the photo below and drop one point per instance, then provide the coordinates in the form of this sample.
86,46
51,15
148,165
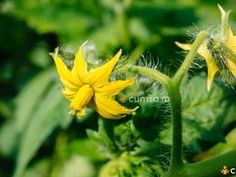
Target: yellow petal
231,42
113,88
183,46
81,112
109,108
82,98
78,113
64,73
232,66
224,22
99,76
79,70
68,93
203,51
212,70
222,13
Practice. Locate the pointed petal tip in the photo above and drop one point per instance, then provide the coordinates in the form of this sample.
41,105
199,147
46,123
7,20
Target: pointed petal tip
81,47
208,87
220,7
84,43
134,109
209,84
71,112
131,81
118,54
55,53
51,54
223,13
178,44
183,46
78,114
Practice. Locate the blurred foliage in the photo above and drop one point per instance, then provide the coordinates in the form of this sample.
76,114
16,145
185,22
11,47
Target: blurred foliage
39,138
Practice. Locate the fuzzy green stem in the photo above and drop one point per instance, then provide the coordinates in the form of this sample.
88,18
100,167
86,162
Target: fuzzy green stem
190,56
152,73
207,168
122,20
176,110
172,85
175,100
173,89
212,166
134,56
131,60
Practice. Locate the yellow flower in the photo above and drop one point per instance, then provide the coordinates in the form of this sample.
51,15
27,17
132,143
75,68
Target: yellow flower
83,87
225,38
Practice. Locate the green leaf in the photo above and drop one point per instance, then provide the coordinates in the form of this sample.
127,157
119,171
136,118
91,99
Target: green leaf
88,149
29,97
124,136
112,38
39,169
8,138
5,109
104,137
47,115
25,103
219,148
147,147
153,113
140,31
78,166
127,165
203,113
68,20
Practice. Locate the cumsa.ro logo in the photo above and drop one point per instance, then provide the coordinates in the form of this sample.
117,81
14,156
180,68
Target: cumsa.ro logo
225,170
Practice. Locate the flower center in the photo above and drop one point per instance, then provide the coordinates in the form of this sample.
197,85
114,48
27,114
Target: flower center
82,98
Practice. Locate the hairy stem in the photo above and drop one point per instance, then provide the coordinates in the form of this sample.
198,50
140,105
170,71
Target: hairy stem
190,56
212,166
152,73
176,110
124,33
173,89
207,168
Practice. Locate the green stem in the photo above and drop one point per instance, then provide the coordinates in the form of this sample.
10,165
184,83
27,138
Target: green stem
59,156
176,110
212,166
122,20
135,54
151,73
207,168
173,89
131,60
190,56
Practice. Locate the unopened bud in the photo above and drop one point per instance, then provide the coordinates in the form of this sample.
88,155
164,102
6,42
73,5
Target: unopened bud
66,53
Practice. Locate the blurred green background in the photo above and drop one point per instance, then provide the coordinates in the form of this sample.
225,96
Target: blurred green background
37,136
